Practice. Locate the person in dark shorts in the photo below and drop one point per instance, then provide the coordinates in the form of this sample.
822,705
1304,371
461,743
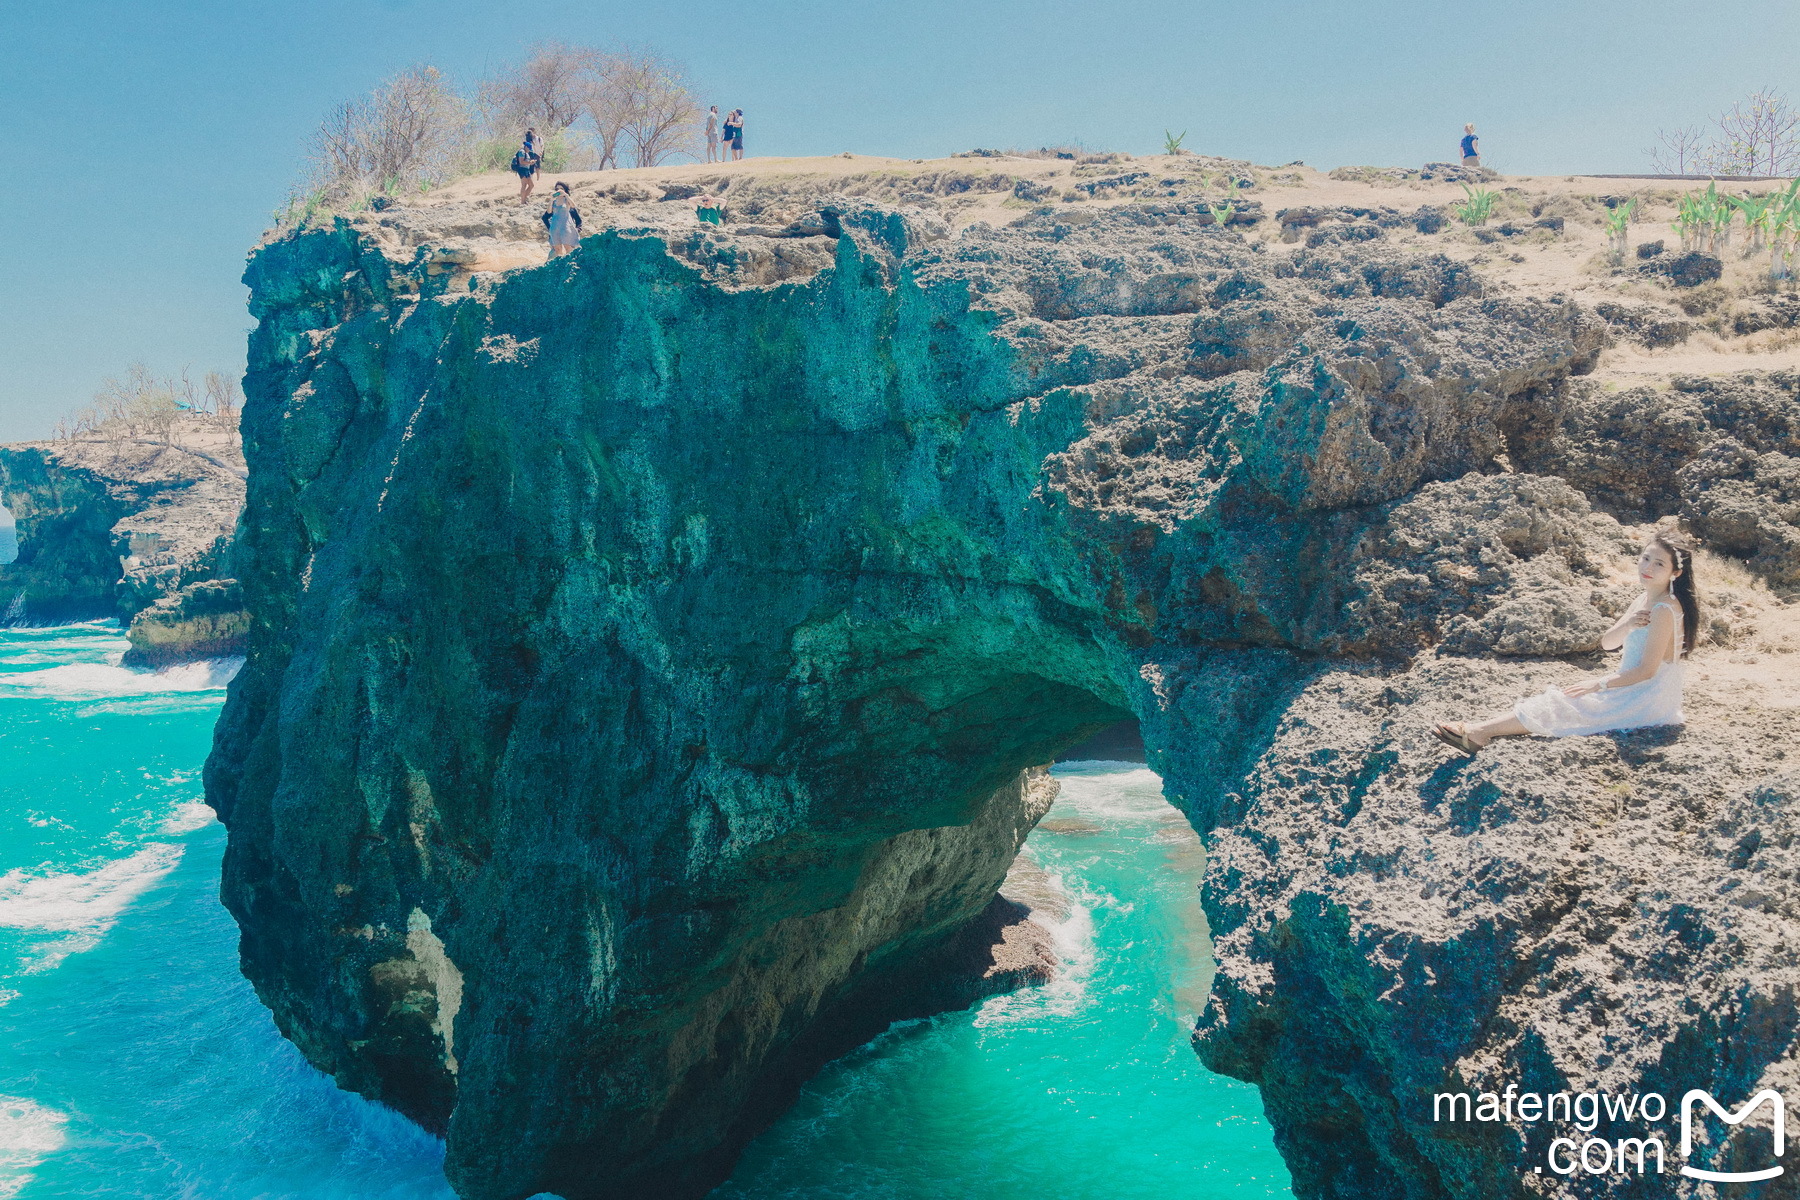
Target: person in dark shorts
525,166
1471,147
734,133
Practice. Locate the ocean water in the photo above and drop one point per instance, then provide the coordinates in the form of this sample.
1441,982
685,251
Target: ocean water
136,1062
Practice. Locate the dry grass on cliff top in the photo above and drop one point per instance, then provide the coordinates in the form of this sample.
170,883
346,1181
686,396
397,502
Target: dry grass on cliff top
970,190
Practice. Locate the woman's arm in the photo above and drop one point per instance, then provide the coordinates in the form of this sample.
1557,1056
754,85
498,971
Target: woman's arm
1634,616
1656,649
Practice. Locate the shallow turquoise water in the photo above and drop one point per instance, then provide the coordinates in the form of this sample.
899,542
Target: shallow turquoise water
136,1062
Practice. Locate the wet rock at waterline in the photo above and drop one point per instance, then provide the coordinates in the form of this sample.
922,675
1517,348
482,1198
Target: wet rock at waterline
650,650
203,620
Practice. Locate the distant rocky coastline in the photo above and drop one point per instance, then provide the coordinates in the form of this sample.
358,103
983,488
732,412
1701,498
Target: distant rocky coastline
135,529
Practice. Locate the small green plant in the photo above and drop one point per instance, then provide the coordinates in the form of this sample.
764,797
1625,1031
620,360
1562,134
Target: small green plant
1722,213
1172,141
1478,207
1784,230
1690,222
1704,220
1756,211
1222,213
1618,224
301,210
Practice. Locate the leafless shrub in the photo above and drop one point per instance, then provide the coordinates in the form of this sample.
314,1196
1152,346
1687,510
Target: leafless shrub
640,104
411,132
224,398
141,404
1756,136
1677,151
546,92
592,108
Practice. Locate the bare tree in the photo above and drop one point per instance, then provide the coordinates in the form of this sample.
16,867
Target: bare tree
664,112
224,398
608,109
1758,136
548,91
412,130
640,103
1677,151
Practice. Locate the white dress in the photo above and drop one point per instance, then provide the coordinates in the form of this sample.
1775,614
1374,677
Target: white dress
1655,701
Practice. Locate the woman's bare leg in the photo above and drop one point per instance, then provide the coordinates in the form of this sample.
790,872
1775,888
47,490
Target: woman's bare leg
1499,725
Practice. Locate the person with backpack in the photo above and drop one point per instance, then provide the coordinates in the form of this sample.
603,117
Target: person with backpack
563,221
525,165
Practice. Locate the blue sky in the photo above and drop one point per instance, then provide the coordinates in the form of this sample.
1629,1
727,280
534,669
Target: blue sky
146,143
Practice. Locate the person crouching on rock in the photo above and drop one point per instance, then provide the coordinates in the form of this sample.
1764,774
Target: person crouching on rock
1656,632
563,220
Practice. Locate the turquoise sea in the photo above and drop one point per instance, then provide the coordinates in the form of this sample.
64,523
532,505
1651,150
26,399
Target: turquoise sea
136,1062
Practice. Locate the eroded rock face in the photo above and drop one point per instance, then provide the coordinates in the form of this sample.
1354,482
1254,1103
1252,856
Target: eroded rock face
1609,914
1723,452
108,525
646,654
205,619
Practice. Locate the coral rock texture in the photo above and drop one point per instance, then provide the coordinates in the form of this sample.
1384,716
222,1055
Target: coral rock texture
649,651
109,524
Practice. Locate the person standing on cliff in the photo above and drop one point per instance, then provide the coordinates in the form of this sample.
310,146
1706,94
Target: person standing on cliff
525,166
712,134
563,220
734,133
1471,147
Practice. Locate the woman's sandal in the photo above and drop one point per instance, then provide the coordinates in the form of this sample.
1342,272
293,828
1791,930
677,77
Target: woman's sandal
1461,741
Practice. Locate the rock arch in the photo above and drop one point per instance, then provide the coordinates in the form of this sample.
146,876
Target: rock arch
707,733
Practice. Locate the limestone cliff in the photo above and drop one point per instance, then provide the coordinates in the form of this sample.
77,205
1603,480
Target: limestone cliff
647,648
128,527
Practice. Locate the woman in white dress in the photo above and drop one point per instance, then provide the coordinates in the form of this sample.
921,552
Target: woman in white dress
1656,632
563,221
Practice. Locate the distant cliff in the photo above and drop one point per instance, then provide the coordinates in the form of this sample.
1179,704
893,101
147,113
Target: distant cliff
647,648
126,527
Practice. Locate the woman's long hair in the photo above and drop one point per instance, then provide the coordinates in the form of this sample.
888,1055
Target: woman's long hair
1681,555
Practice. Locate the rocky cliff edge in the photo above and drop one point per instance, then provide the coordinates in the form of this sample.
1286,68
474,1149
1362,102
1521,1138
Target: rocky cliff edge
648,647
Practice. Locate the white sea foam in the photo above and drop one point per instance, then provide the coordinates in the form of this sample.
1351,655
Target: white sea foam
93,681
81,906
187,817
1111,792
28,1132
1073,940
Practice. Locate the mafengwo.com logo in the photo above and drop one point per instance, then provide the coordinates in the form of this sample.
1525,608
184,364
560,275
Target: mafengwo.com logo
1644,1152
